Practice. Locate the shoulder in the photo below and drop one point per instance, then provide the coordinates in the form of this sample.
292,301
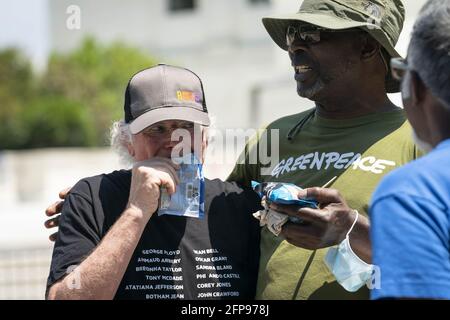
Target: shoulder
403,127
98,199
424,178
398,181
278,128
289,121
413,173
116,180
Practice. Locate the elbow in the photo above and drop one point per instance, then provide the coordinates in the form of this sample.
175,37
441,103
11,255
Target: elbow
60,291
53,292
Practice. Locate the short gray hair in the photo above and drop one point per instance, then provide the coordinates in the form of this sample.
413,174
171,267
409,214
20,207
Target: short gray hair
429,50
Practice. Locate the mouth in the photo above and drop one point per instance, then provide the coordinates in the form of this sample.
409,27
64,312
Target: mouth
303,72
302,69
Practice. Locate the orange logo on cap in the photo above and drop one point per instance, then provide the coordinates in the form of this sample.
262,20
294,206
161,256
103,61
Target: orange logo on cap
187,96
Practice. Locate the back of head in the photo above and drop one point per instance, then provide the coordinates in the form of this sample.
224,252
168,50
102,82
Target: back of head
429,50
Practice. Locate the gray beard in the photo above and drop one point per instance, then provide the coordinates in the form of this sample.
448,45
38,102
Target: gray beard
313,91
422,145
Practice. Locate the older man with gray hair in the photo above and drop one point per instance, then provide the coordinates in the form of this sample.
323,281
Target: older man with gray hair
411,208
114,239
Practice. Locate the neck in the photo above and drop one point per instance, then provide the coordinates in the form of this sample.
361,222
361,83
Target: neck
437,139
438,120
355,105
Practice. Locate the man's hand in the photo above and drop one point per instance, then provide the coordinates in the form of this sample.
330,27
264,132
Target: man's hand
326,226
148,177
53,211
102,271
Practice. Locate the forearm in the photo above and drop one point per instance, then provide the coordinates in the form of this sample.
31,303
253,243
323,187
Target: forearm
360,239
102,271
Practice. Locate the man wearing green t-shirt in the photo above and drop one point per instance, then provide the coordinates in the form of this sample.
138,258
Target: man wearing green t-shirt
340,52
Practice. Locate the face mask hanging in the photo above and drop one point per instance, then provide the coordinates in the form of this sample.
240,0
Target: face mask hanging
349,270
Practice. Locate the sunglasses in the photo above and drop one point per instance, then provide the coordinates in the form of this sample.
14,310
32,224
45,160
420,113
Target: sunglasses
399,67
308,34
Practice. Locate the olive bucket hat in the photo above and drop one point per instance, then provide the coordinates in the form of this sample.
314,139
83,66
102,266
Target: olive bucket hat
382,19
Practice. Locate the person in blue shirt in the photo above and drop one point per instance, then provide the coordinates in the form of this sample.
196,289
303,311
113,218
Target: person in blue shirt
410,209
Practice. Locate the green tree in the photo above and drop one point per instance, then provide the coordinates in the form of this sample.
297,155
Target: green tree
96,77
73,103
16,90
58,122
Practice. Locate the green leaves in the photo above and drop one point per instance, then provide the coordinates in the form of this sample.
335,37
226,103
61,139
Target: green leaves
73,103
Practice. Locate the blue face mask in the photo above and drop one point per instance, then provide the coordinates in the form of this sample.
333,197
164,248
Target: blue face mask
349,270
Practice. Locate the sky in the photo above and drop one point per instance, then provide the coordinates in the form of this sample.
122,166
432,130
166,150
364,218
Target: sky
24,24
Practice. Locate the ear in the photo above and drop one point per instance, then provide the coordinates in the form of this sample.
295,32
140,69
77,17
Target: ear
370,48
418,89
130,149
205,142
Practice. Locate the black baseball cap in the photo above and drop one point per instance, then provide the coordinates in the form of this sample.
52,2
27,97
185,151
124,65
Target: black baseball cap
164,92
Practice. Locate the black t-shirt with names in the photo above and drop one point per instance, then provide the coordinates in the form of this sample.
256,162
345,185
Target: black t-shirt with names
215,257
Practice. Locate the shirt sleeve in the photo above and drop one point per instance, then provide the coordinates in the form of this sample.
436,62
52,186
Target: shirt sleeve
410,239
78,235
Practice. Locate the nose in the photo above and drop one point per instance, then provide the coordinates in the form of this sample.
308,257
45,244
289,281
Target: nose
296,46
167,141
